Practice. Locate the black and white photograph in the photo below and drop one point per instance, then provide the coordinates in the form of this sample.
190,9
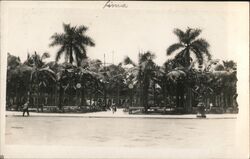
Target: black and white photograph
124,79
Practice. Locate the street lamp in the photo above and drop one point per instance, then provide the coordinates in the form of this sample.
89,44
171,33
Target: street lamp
130,86
78,86
104,92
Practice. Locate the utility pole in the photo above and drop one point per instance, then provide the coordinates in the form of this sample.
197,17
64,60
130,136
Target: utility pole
104,61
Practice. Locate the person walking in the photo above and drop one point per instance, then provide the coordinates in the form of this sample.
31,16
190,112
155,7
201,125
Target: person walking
26,108
113,107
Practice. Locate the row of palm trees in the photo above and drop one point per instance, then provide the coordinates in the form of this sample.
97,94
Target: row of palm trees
183,80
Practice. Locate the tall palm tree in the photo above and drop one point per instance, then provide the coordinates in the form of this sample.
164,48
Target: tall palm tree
141,75
72,43
189,43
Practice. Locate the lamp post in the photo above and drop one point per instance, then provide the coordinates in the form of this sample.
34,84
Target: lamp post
104,92
130,86
78,86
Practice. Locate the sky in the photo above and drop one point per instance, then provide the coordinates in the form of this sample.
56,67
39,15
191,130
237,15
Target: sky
27,27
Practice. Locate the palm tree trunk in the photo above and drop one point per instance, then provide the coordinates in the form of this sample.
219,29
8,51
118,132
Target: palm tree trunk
118,94
60,95
140,94
189,99
164,95
222,101
154,93
230,98
178,94
71,55
145,94
55,95
17,102
83,96
105,96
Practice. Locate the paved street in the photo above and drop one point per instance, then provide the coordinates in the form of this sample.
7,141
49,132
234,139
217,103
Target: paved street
94,135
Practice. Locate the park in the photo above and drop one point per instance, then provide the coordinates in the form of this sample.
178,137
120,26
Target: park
81,84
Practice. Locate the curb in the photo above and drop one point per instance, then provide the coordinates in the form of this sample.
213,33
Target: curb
125,117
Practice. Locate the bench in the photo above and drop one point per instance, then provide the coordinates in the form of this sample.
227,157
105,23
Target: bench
130,109
50,108
155,108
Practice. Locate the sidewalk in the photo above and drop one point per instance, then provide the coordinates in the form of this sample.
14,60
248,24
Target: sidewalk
120,114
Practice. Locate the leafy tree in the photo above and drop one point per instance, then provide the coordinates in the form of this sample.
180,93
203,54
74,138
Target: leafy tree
16,85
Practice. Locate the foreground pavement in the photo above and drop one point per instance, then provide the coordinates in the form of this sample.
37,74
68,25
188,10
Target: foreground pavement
120,114
75,152
142,139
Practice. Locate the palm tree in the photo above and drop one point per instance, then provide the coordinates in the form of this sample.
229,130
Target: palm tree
141,75
115,74
175,80
224,84
230,65
42,77
89,77
72,43
188,43
65,81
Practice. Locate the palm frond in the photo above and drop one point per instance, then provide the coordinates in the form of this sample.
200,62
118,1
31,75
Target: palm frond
173,48
48,73
201,42
194,33
201,45
176,75
59,53
180,34
87,41
146,56
229,65
198,55
45,55
58,39
79,56
83,50
81,29
127,61
67,28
